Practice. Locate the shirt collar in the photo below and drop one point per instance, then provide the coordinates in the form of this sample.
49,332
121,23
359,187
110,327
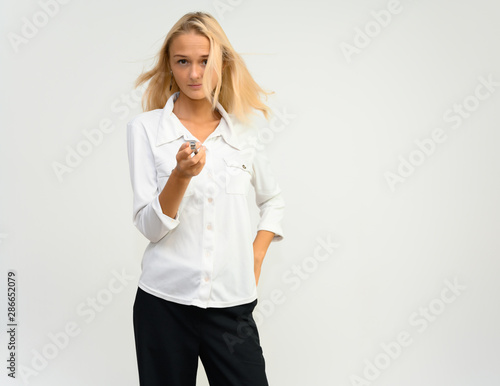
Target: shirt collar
169,131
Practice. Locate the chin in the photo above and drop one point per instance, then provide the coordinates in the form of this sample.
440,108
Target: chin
195,94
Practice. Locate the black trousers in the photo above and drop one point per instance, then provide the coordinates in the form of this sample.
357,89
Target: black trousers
169,338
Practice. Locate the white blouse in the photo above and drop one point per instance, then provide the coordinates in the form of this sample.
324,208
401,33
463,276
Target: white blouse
203,256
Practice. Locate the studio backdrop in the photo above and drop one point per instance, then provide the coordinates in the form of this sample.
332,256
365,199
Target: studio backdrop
384,140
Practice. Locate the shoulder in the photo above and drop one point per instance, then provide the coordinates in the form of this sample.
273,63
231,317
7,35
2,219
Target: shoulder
244,134
148,120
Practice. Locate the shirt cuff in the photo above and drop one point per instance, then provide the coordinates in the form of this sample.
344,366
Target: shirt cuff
276,229
169,222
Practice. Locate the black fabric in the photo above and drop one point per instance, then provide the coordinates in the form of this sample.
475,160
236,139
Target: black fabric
169,338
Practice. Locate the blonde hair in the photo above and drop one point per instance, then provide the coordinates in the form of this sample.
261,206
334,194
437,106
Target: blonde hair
236,90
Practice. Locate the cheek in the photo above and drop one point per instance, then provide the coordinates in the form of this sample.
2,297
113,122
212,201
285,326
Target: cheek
181,78
214,77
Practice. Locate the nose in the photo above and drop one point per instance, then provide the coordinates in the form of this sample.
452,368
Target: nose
196,72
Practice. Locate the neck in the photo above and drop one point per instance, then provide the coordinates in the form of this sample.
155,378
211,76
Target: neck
195,110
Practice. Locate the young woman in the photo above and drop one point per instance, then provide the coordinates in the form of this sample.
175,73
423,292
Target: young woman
200,271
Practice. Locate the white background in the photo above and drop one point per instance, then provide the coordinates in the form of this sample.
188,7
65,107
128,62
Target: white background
355,117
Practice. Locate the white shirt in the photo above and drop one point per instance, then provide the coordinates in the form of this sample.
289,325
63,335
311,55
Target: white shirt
203,256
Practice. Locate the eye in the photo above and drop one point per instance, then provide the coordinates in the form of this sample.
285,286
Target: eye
181,60
206,61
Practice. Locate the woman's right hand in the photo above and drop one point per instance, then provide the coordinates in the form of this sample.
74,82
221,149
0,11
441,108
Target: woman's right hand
188,166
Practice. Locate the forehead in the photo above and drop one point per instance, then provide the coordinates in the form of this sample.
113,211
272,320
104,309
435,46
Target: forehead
190,44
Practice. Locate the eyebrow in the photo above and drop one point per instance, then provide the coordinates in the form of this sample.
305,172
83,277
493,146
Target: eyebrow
184,56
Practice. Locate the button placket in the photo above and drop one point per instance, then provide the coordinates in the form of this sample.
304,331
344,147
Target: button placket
208,235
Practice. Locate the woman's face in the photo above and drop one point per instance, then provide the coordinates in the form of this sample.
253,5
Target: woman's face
188,58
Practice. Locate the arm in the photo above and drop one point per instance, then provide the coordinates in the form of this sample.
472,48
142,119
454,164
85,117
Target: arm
271,205
260,246
171,196
148,214
267,197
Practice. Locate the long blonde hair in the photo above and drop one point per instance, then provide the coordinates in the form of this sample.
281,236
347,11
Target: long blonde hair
236,90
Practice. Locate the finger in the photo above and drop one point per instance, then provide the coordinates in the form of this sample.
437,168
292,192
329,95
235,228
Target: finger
184,145
183,152
183,155
193,160
201,154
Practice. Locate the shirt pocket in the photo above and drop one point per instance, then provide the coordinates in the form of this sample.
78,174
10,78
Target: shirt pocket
238,174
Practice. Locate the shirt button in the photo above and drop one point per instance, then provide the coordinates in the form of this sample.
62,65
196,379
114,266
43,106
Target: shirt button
207,279
210,199
207,253
209,226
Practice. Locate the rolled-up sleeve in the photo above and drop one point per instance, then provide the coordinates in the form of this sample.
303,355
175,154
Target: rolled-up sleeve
267,196
147,214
